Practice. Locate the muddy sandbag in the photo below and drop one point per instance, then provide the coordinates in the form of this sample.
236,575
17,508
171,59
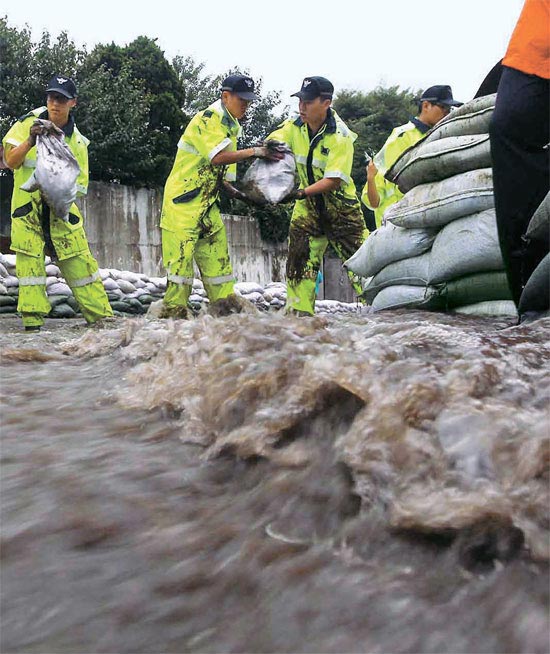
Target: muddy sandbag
489,309
268,182
408,272
401,295
478,287
539,225
430,162
536,294
437,203
387,244
464,246
62,310
472,117
56,171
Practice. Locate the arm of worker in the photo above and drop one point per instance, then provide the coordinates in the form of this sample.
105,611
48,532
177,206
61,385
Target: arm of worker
14,155
372,192
226,157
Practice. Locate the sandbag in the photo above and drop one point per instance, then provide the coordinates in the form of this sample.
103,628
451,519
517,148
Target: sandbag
398,296
539,225
407,272
268,182
437,203
474,288
536,294
472,117
56,171
490,309
466,246
432,161
387,244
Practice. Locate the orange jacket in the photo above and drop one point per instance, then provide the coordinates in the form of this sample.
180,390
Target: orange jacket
529,47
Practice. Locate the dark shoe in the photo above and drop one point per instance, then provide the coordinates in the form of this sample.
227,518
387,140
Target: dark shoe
32,328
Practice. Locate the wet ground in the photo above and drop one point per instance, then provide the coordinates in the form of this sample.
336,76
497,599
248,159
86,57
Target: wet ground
373,483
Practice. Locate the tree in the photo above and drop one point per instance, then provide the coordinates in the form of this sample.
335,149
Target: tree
113,114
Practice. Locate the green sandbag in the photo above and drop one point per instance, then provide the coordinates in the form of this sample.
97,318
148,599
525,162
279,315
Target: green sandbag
8,308
478,287
7,301
62,310
411,297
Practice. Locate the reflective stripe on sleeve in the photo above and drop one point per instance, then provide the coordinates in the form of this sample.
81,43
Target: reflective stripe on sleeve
84,281
335,174
223,279
221,146
29,163
178,279
301,159
32,281
319,163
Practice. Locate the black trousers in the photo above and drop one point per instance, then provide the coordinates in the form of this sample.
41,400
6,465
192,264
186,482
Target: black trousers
519,132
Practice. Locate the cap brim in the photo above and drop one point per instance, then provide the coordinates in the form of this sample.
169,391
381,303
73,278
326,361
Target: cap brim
60,91
303,95
246,95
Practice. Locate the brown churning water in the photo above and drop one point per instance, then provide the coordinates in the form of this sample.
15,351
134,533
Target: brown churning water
372,483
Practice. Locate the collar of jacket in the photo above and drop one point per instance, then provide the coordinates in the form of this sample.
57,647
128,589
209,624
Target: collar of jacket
330,122
69,127
422,127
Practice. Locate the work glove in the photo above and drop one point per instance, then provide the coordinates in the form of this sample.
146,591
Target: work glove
41,128
295,194
271,150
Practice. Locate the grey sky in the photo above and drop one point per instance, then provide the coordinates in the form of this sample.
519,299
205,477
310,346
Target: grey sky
356,44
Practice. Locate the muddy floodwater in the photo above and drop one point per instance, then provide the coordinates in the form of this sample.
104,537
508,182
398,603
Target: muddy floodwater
259,483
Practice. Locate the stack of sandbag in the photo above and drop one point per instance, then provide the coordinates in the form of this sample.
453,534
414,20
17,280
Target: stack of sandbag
535,295
438,248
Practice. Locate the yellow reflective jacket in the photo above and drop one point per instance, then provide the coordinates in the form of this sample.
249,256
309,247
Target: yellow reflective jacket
328,154
401,138
194,183
69,237
19,132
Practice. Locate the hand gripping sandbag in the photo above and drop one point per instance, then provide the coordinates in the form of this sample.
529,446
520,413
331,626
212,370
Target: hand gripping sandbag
539,225
437,203
387,244
431,162
472,117
268,182
56,171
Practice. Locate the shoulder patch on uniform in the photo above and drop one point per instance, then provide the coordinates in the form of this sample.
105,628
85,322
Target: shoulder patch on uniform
208,113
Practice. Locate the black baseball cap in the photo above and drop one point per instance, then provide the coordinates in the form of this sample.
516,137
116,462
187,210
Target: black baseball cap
242,85
63,85
314,87
440,94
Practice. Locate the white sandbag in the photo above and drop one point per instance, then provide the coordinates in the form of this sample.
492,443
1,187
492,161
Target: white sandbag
413,271
437,203
430,162
395,297
472,117
465,246
490,309
56,171
387,244
536,294
539,225
268,181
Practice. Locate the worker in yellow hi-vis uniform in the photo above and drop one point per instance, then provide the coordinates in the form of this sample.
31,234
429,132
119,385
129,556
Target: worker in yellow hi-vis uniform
327,209
36,231
191,223
378,193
